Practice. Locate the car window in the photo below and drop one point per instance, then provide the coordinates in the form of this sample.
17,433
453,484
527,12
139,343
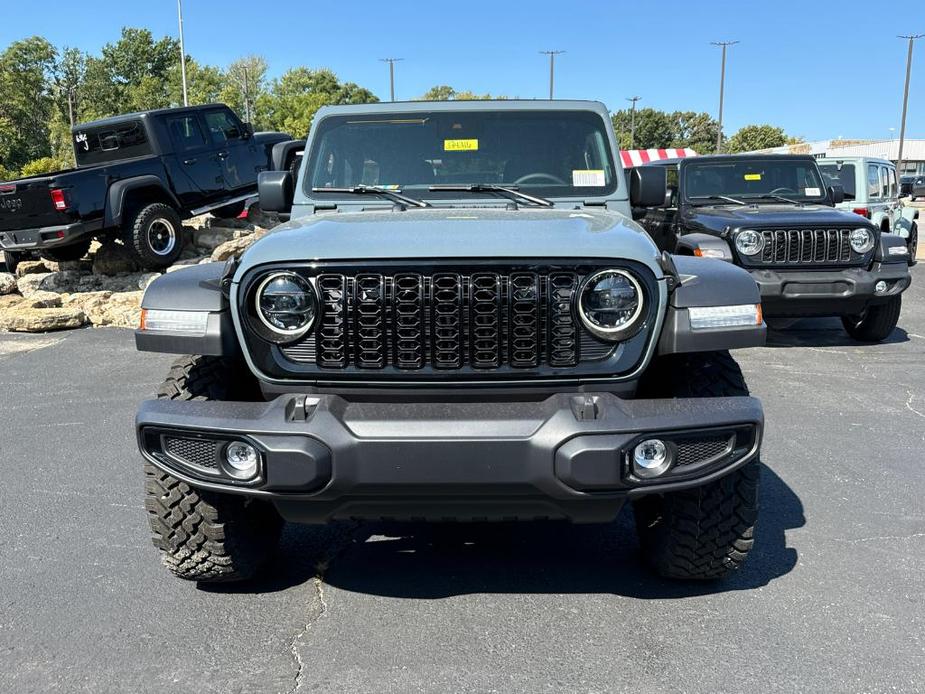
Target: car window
891,174
185,132
873,181
844,175
110,143
884,183
222,126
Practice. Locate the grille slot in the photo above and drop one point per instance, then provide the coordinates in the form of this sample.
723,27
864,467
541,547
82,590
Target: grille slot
369,317
199,452
798,246
700,449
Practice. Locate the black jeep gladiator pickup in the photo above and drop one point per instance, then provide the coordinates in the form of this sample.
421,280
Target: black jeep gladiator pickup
774,216
138,175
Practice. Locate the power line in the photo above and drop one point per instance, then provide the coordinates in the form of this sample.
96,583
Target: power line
902,126
634,99
391,62
722,88
552,68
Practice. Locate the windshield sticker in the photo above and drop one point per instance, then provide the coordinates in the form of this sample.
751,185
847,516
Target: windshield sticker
460,145
811,192
753,177
588,178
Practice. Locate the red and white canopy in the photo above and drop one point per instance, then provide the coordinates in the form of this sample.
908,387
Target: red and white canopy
637,157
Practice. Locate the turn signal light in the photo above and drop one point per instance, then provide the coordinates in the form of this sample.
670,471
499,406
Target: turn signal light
863,211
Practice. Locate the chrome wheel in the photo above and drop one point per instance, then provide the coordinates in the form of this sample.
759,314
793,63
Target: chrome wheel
161,237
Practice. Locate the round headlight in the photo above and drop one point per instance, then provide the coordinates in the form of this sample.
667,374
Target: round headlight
862,240
749,242
286,305
610,304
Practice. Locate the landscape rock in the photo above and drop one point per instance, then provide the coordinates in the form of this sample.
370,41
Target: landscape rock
113,259
65,281
34,267
235,247
29,284
40,320
7,283
189,262
216,223
41,299
212,238
117,309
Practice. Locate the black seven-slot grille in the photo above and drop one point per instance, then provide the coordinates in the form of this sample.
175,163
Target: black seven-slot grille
807,246
483,319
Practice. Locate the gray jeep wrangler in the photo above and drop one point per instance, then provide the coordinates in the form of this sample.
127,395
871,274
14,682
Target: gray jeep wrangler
460,322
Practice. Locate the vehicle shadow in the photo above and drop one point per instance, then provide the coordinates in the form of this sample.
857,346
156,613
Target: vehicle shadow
431,561
823,332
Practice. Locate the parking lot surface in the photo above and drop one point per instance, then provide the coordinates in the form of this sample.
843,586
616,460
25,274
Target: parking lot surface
832,600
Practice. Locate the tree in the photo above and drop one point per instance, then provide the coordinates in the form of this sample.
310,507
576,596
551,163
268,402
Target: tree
205,83
444,92
695,130
654,128
26,102
245,85
753,137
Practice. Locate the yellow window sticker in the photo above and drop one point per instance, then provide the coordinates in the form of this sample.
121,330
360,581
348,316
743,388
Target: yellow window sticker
752,177
460,145
588,178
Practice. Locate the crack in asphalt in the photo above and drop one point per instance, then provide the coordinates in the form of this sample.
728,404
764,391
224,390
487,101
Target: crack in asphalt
318,584
909,404
879,537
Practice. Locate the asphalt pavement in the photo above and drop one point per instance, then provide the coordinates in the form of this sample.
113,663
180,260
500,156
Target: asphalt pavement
832,599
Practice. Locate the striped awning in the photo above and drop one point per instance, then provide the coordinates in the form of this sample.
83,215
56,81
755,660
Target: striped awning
637,157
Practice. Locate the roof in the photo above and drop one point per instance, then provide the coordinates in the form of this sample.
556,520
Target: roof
638,157
464,105
913,150
134,115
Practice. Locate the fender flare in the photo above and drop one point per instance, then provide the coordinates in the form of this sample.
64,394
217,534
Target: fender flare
115,196
705,245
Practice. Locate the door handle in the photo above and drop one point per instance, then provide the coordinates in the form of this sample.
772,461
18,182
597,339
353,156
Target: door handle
190,162
222,155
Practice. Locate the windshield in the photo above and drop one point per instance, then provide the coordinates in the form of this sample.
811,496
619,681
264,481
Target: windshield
544,153
748,178
840,175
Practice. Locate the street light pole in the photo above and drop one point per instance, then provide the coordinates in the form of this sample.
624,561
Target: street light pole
391,62
182,53
902,125
634,99
552,68
722,87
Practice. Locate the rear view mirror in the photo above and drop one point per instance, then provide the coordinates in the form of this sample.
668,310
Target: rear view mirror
648,186
276,191
837,193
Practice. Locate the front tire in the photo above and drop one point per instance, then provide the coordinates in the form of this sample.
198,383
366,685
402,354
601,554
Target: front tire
705,532
912,243
154,234
876,323
204,535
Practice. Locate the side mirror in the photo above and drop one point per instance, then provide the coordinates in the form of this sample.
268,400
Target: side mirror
648,186
837,193
275,190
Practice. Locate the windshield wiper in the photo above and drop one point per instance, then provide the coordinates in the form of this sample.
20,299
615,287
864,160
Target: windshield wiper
769,196
716,197
376,190
511,193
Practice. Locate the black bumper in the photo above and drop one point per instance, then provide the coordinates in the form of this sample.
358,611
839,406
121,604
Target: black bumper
46,237
566,456
846,291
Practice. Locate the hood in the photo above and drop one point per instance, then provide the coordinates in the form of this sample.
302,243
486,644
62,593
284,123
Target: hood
717,218
455,233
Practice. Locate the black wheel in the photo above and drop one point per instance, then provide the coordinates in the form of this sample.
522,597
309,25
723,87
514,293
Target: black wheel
11,259
154,234
876,323
708,531
912,243
73,251
203,535
229,211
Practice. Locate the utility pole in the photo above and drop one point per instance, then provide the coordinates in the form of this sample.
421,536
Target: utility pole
70,115
902,126
634,99
552,68
182,53
247,104
722,87
391,62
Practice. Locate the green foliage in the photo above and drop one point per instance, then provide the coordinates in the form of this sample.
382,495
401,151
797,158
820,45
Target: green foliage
654,128
40,166
444,92
26,101
753,137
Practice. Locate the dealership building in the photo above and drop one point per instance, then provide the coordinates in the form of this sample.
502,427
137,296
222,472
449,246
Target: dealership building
913,151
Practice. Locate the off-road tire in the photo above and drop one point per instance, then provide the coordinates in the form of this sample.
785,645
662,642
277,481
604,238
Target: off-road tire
876,323
138,231
229,211
203,535
912,243
705,532
11,259
63,254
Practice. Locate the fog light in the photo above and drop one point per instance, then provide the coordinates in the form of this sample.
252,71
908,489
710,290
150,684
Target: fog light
242,458
650,458
880,287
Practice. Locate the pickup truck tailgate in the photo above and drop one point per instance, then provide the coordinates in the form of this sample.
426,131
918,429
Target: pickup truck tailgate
27,204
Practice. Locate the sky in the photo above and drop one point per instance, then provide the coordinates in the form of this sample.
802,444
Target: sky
814,69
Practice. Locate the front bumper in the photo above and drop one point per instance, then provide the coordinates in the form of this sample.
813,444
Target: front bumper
46,237
846,291
566,456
